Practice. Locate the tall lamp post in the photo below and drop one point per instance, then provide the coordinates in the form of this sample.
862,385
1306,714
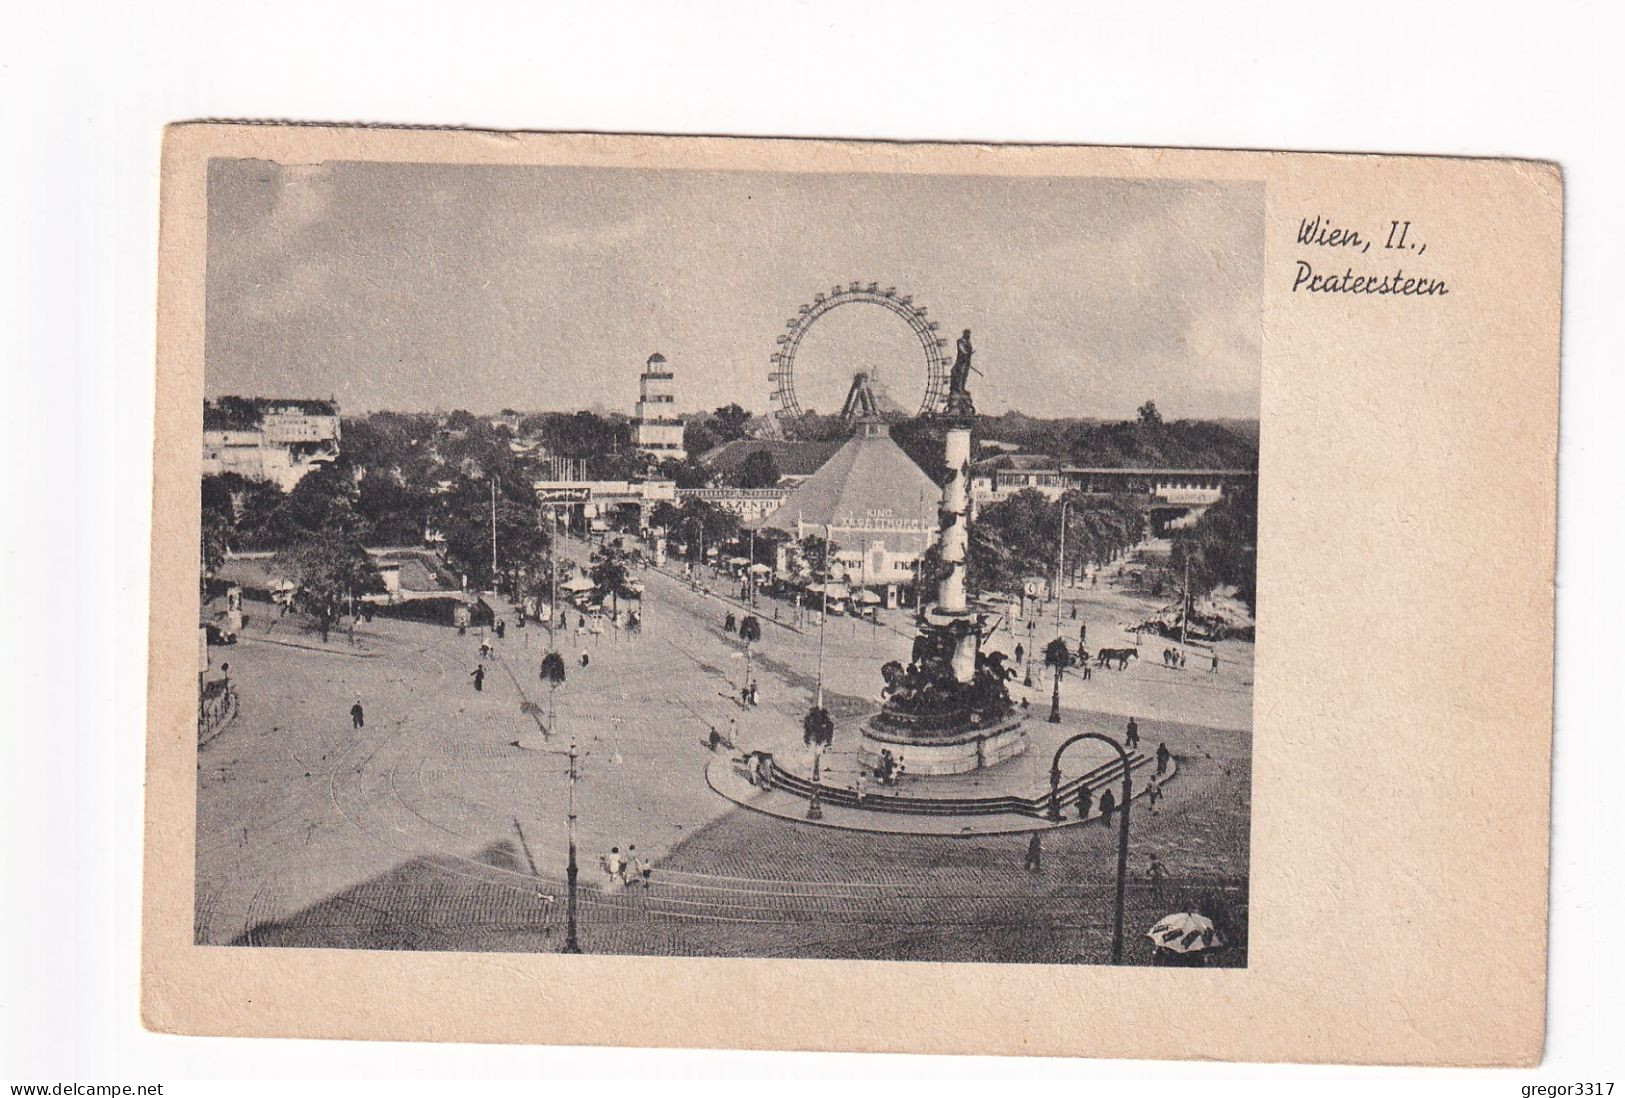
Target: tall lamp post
1122,825
815,811
823,616
750,569
571,870
1060,565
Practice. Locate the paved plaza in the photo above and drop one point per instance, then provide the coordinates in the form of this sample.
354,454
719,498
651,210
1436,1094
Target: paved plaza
441,824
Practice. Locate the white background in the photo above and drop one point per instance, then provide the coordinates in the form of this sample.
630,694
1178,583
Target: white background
85,89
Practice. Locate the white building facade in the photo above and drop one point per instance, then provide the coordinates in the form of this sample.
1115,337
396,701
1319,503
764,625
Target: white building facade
288,442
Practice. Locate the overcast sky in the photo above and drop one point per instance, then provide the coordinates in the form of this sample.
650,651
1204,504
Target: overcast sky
416,287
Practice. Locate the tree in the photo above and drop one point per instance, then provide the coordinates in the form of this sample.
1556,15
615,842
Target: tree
817,732
750,631
759,470
392,510
665,516
609,571
582,434
687,473
1149,416
1222,547
552,674
729,421
463,516
704,523
1056,657
327,569
698,438
255,509
217,537
1018,537
325,500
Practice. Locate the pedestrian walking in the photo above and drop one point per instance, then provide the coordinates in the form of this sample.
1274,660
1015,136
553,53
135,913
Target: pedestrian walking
1214,669
1108,805
1153,793
645,871
1084,799
585,659
1133,734
1021,653
1182,661
615,865
860,786
357,719
485,648
630,864
1083,634
1074,611
1034,861
1162,759
1156,874
478,675
501,628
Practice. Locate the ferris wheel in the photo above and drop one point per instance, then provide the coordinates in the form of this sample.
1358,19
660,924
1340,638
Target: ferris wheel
932,345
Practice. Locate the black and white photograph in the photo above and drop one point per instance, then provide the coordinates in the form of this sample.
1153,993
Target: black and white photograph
749,563
913,547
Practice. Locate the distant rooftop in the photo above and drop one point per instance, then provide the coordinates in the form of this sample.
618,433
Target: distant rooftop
794,457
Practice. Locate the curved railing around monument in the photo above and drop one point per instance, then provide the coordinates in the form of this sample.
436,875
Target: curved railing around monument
889,799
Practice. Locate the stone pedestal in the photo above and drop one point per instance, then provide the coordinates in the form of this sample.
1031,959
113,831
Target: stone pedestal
958,752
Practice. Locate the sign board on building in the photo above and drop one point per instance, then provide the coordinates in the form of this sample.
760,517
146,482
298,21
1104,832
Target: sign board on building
563,495
1193,496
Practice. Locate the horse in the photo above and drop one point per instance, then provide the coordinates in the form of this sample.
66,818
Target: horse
1120,656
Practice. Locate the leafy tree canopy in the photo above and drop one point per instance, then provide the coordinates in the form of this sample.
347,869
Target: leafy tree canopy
759,470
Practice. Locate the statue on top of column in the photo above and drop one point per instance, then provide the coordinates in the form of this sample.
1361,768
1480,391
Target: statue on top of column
959,378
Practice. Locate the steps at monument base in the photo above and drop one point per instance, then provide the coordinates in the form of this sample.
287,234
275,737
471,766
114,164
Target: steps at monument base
1103,776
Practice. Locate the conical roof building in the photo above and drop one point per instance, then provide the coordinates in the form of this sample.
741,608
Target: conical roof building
879,506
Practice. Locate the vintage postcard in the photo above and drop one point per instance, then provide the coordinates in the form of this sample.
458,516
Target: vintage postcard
839,595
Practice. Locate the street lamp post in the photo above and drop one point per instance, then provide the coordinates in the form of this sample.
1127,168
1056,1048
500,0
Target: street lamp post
553,596
1060,566
823,616
815,810
1122,825
571,945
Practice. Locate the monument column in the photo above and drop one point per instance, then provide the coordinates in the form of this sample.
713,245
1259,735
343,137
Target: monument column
956,544
938,711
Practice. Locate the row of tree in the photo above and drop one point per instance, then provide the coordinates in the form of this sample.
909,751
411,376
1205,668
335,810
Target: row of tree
1145,441
1021,536
1221,547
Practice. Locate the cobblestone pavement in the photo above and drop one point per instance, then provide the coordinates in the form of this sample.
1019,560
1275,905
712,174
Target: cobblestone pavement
441,823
